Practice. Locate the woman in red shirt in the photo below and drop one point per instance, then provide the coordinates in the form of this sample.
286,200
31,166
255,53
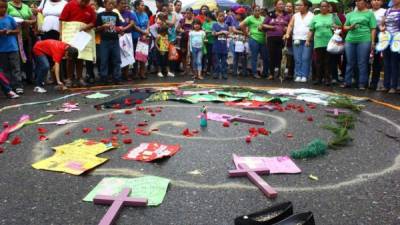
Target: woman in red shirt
77,11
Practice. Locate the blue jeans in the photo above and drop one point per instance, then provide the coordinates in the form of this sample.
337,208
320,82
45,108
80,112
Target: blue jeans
197,56
242,57
357,53
255,49
391,68
220,65
42,68
109,51
302,59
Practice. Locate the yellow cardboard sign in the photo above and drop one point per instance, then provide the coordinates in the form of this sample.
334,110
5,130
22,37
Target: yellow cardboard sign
69,30
75,158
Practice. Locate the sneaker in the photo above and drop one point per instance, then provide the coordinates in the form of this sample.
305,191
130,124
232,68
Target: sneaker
19,91
82,83
298,79
159,74
383,89
257,76
39,90
303,80
392,91
12,95
170,74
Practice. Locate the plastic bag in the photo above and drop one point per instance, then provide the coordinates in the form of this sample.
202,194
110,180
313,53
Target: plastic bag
336,44
142,50
172,53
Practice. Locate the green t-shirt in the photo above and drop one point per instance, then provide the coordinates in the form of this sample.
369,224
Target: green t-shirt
365,21
24,12
207,27
253,24
321,25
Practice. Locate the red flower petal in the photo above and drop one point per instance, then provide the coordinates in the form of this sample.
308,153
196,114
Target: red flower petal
225,124
152,114
139,108
311,105
142,124
100,128
67,132
114,138
127,112
91,142
310,118
127,141
118,124
123,132
86,130
41,130
116,106
105,140
263,131
248,139
187,133
289,135
5,125
252,130
115,131
128,101
138,101
195,131
16,140
301,110
140,131
43,138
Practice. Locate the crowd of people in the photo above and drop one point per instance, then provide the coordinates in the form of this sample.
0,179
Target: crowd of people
241,41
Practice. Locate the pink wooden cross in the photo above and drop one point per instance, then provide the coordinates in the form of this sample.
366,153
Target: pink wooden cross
66,110
116,203
336,111
243,120
253,175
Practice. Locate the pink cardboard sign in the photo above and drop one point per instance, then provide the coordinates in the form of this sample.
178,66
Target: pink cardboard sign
277,164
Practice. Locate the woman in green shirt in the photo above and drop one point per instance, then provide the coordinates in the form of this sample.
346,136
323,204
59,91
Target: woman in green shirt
18,9
256,41
209,41
321,29
360,40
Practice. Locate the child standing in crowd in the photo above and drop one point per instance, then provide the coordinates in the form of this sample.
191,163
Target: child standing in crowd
239,43
208,42
220,49
56,50
108,24
196,45
162,45
9,55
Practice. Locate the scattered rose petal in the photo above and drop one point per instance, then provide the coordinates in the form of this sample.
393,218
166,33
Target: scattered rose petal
138,101
140,131
115,131
16,140
289,135
128,101
67,132
100,128
142,124
118,124
139,108
86,130
105,140
116,106
310,118
42,130
43,138
301,110
127,141
226,124
152,114
263,131
127,112
114,138
187,133
248,139
311,105
91,142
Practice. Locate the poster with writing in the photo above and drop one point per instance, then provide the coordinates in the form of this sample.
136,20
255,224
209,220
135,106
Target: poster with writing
126,46
69,32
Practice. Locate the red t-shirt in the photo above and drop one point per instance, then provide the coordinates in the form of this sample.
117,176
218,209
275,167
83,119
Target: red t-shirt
53,48
202,18
73,12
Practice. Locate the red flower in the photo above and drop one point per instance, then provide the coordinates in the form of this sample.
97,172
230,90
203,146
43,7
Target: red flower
5,125
140,131
16,140
100,128
127,141
226,124
187,133
127,112
263,131
41,130
310,118
248,139
105,140
86,130
139,108
138,101
115,131
300,110
128,101
43,138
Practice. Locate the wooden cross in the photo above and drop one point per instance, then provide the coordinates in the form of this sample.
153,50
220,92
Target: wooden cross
243,120
264,107
116,203
253,175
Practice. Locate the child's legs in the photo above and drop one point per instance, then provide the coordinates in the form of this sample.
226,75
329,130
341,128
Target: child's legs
104,55
217,67
10,63
4,83
163,61
116,59
235,63
199,56
42,68
224,65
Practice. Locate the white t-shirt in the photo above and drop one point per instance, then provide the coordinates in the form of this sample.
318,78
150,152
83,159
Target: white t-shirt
51,12
379,14
179,17
196,39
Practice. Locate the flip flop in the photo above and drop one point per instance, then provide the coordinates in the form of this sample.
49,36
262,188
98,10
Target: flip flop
383,41
395,45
